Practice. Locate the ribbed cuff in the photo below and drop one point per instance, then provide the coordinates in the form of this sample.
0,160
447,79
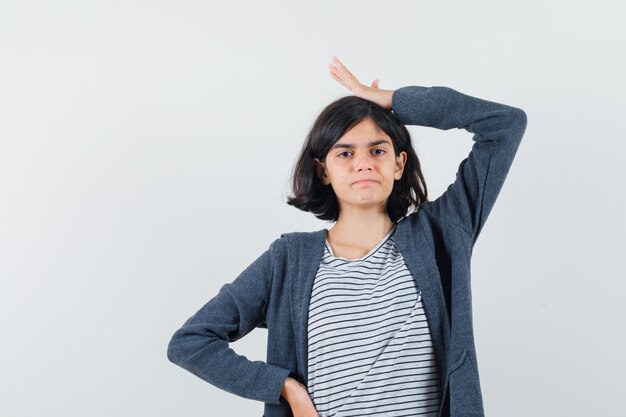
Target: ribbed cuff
270,383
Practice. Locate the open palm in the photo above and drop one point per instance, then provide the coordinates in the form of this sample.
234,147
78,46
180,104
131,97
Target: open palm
340,73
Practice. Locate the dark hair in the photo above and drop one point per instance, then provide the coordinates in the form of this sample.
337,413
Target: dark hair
310,194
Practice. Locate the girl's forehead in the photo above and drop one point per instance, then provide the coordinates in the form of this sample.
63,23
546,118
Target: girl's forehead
363,132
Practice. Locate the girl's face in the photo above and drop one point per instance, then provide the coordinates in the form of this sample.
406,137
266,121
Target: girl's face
361,167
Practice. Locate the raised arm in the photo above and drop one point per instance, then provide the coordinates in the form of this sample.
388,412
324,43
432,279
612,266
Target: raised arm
201,344
498,130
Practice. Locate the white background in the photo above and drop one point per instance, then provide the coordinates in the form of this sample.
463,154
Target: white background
145,155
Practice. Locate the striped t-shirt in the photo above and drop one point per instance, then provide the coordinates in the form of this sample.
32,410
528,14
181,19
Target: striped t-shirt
369,347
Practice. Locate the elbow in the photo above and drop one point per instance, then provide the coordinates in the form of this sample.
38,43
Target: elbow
186,346
171,352
519,118
175,350
516,122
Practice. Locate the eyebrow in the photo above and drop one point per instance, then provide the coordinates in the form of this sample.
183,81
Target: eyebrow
350,146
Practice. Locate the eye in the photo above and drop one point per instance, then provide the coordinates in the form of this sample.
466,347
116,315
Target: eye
382,152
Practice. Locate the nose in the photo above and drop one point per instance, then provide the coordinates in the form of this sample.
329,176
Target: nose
363,161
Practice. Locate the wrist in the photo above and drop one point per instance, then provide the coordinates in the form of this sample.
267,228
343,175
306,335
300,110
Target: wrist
384,98
289,386
388,99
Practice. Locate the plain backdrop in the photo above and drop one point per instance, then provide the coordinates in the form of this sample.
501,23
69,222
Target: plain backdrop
146,149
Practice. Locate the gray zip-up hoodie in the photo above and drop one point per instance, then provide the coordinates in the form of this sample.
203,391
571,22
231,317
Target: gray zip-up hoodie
436,242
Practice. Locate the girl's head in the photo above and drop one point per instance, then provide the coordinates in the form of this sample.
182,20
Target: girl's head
354,139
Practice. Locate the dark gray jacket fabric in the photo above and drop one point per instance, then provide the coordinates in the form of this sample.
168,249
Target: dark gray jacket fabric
436,242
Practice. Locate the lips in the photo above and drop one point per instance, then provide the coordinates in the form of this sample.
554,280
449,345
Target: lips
365,181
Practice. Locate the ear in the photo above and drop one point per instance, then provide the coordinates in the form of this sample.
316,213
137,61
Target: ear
400,163
320,168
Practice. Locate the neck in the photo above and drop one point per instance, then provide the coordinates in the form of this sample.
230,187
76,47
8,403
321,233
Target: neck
361,227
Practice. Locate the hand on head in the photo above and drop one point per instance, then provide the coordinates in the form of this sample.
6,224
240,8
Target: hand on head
372,93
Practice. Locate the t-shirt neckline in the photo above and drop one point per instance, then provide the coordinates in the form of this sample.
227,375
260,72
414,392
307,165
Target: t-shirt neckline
374,249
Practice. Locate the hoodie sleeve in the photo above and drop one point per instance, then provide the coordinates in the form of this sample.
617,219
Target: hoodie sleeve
201,345
497,132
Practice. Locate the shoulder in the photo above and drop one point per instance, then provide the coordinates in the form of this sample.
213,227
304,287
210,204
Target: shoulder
432,229
298,242
302,236
287,239
429,216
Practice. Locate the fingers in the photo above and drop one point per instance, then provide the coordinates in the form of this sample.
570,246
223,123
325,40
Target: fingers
334,71
337,62
339,79
340,73
341,69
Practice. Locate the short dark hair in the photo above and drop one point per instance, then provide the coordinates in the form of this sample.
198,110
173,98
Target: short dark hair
310,194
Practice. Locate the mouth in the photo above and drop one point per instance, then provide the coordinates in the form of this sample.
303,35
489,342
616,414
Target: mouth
365,182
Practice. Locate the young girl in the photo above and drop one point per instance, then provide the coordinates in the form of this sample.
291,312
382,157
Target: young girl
373,316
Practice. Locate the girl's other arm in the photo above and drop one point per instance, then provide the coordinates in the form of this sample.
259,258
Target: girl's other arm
201,345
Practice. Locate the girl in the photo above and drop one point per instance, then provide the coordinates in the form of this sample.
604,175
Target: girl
372,316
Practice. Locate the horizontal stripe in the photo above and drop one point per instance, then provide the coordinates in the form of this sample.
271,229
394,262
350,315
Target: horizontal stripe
370,351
